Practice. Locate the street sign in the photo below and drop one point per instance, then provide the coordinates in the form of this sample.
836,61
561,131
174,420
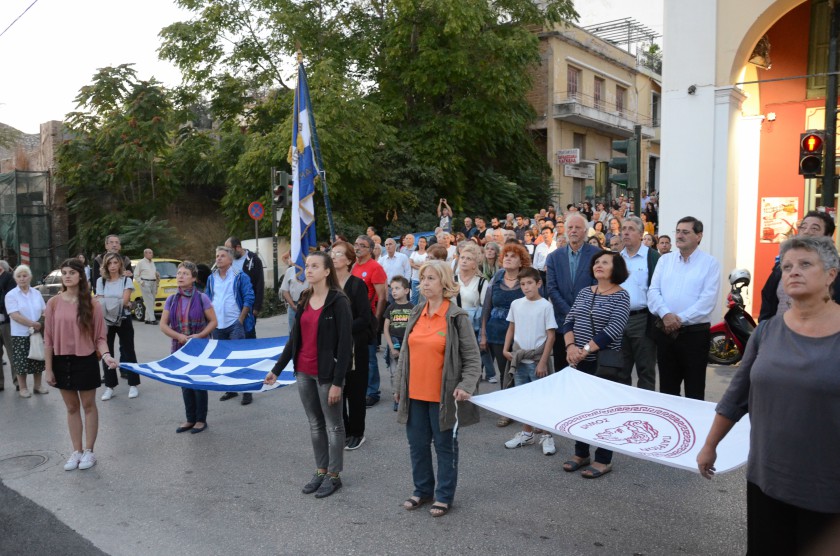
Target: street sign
584,171
568,156
256,210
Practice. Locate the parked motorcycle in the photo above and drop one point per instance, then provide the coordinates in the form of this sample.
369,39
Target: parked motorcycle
729,338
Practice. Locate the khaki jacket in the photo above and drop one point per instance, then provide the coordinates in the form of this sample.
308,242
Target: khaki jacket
461,368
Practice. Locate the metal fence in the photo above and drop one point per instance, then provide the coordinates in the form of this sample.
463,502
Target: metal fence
25,219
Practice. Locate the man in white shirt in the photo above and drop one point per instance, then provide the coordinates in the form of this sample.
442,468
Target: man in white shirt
637,346
545,248
149,278
683,294
394,264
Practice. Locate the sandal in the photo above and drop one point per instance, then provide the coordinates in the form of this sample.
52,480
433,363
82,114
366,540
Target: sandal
439,510
503,422
592,473
572,466
413,503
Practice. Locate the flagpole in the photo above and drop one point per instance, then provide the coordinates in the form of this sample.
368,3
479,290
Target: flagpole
322,174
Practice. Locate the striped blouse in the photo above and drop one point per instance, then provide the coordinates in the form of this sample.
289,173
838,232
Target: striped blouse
609,315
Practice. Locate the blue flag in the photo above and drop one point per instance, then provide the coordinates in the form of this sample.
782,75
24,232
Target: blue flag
303,156
223,365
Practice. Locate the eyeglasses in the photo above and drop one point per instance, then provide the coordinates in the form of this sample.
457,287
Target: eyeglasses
361,246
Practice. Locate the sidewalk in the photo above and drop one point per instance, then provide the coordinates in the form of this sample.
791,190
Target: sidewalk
236,487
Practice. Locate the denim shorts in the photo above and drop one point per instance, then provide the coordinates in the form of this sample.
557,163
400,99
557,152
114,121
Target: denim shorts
525,373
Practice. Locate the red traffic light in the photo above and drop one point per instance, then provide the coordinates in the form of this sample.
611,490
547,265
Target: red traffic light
812,143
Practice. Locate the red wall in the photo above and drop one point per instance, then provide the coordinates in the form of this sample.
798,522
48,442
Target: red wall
779,150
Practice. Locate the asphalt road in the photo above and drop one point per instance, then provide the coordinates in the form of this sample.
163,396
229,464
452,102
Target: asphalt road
236,487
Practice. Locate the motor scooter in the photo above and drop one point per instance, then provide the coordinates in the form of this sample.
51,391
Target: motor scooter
729,338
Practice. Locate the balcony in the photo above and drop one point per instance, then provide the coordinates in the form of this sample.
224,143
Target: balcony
598,114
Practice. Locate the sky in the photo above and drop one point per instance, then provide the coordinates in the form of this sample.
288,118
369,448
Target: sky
56,47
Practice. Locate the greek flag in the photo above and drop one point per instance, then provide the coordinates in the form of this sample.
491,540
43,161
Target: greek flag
665,429
223,365
303,156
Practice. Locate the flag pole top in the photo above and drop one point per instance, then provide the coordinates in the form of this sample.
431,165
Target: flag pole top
299,56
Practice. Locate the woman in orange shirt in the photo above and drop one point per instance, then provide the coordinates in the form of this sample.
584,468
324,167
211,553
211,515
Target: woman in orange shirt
439,366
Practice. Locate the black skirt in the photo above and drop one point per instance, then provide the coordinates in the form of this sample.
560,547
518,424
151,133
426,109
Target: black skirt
74,372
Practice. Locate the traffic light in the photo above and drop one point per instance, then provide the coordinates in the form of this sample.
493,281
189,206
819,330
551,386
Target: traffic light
283,189
811,145
628,171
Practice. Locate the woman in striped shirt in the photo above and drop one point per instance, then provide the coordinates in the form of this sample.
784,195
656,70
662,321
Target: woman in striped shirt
596,321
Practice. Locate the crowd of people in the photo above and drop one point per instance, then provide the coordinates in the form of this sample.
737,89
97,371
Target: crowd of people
589,288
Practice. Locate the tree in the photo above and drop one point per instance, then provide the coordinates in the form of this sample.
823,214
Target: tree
115,165
413,100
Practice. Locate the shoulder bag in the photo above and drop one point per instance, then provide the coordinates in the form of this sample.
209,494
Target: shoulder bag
610,361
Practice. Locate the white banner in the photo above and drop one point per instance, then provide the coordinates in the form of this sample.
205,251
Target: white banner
658,427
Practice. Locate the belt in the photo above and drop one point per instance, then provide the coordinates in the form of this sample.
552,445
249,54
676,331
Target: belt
147,280
638,312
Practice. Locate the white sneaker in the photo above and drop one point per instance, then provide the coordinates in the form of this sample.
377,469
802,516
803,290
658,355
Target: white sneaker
107,394
133,392
88,460
73,462
520,439
547,442
493,380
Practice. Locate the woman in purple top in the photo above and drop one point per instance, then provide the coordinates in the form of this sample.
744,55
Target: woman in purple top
189,314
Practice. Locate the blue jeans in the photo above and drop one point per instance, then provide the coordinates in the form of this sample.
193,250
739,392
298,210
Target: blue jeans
233,332
525,373
415,291
373,370
291,313
487,363
422,429
195,404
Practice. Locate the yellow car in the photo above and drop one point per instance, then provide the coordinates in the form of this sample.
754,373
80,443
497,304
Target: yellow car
167,268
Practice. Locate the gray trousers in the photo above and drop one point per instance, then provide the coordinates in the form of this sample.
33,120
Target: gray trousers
639,350
326,423
149,291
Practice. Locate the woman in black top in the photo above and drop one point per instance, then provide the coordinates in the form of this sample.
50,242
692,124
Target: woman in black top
355,384
320,344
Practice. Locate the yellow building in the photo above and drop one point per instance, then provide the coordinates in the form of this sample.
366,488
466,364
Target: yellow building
587,93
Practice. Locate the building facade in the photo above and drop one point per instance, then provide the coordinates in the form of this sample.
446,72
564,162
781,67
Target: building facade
588,93
731,125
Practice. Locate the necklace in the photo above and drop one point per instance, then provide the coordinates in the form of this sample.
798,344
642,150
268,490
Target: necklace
606,291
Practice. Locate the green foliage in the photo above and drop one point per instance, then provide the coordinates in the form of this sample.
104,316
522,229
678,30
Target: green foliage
8,136
412,101
273,304
136,235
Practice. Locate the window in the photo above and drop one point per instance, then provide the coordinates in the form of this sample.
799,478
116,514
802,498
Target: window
620,98
573,83
599,93
655,102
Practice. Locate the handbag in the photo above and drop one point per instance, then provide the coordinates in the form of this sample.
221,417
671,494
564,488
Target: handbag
610,362
36,346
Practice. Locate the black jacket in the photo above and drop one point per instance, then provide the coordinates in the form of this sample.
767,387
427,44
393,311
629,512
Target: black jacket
770,299
253,267
335,340
357,292
7,284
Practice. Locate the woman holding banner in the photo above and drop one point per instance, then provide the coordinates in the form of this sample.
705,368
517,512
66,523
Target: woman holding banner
189,314
321,345
789,383
596,324
439,366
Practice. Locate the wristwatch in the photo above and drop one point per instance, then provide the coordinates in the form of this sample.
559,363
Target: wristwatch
587,349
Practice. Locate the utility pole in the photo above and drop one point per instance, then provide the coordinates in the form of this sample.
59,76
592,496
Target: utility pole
829,165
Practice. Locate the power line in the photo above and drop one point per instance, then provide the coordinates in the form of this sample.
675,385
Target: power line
18,17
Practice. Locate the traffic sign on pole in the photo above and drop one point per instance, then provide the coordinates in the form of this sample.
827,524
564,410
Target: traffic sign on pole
256,210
